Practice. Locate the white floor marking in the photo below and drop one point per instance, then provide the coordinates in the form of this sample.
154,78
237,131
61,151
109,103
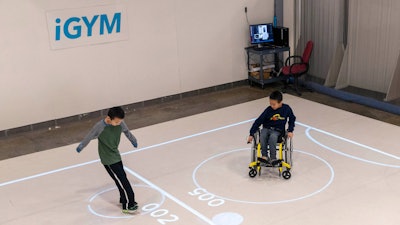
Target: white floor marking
187,137
172,141
100,215
352,156
124,216
125,153
348,140
271,202
168,195
47,173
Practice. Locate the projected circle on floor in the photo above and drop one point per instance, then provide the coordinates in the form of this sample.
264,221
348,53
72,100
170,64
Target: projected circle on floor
105,203
225,175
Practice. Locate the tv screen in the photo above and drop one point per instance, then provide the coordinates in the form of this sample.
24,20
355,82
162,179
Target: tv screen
261,33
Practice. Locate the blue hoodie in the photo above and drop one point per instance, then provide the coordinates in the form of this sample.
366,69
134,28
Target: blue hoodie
275,118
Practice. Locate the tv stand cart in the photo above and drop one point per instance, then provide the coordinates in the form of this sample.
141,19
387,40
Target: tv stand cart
259,58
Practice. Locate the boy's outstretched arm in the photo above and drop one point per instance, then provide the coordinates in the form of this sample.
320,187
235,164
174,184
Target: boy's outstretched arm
94,133
129,135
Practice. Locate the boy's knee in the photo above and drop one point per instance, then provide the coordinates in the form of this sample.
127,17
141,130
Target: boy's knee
273,138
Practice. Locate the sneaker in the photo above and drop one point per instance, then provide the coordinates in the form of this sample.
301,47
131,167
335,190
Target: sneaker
275,162
264,162
131,209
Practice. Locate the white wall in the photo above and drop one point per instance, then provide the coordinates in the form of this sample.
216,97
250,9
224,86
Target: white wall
289,22
174,46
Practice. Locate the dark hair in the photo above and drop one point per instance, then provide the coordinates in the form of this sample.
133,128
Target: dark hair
276,95
116,112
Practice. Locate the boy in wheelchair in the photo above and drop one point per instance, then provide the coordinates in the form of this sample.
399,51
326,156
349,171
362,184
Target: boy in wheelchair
273,120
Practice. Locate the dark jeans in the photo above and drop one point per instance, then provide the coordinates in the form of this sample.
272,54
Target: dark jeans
269,139
117,173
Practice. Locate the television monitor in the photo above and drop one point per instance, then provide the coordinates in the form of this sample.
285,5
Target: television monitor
261,34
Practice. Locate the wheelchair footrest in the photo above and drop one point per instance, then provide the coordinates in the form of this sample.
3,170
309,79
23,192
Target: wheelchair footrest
277,162
273,163
262,160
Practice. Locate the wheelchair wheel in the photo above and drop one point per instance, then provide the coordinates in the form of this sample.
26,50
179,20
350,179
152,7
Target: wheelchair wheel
253,156
289,152
254,144
286,175
252,173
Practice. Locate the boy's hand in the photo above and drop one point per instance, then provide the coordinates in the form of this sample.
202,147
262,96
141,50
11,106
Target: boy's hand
78,149
249,139
290,134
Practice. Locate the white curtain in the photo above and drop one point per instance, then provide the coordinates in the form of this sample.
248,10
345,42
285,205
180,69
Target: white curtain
321,22
369,59
374,43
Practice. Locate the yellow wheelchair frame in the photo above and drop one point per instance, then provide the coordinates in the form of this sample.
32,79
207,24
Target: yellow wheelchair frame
285,150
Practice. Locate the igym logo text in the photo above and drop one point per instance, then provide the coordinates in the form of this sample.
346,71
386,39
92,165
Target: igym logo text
76,27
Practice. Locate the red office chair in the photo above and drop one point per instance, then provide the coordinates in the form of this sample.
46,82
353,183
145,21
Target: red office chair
297,67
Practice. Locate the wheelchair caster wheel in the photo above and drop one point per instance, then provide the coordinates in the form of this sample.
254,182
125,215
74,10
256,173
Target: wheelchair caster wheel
252,173
286,175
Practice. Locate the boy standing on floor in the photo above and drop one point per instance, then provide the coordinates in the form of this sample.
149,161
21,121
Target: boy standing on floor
108,132
273,119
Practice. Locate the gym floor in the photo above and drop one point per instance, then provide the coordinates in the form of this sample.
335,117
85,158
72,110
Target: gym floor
192,167
17,144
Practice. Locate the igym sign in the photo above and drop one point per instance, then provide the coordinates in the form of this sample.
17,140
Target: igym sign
86,26
75,24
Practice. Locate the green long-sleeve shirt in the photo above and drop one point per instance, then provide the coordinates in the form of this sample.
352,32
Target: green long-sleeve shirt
108,140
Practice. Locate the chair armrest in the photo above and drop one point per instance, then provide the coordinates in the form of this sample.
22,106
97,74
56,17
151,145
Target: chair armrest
287,62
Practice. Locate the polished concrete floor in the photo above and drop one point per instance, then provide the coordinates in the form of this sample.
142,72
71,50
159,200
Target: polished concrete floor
73,132
195,170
